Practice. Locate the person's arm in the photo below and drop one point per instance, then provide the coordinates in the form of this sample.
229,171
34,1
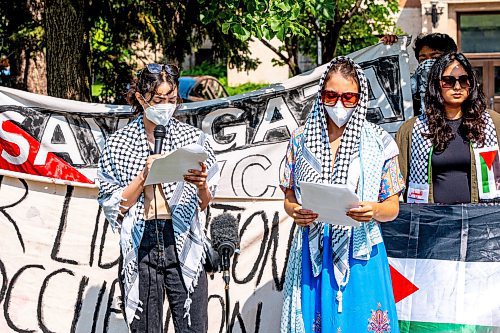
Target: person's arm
302,217
403,140
387,207
199,179
134,190
403,143
205,196
114,197
207,178
384,211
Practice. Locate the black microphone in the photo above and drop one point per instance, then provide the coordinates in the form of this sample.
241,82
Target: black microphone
159,134
225,240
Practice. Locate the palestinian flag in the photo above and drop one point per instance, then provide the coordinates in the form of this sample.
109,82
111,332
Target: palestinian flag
488,172
445,267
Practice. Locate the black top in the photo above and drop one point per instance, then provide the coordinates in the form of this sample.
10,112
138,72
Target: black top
451,169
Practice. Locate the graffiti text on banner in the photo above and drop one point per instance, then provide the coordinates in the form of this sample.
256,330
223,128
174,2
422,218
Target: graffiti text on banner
41,140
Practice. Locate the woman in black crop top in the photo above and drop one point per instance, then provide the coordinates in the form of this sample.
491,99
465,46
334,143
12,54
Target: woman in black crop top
450,153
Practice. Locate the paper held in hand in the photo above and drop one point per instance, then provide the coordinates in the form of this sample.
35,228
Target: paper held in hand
172,166
330,202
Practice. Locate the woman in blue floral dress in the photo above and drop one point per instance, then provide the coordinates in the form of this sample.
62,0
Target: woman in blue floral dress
338,277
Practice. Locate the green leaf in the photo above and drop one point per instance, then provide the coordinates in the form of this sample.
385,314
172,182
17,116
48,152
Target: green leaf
225,27
245,34
267,33
283,6
274,24
280,34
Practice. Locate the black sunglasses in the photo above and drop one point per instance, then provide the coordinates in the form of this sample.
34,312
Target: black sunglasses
450,81
171,70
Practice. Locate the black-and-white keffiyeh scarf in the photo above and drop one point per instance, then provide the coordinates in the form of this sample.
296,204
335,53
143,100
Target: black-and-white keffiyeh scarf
314,164
486,157
418,82
123,158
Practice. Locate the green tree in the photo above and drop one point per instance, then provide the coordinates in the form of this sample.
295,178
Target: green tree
21,37
124,30
339,26
105,41
119,35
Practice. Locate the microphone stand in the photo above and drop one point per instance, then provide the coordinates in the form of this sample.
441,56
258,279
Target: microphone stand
226,288
226,277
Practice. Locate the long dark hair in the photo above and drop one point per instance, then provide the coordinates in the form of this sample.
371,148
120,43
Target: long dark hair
147,83
473,125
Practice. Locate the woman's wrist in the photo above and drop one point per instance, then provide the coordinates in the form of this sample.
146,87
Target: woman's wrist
376,210
203,187
141,177
204,190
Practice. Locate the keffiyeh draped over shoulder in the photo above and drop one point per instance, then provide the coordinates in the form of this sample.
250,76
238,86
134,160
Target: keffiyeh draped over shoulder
123,158
361,139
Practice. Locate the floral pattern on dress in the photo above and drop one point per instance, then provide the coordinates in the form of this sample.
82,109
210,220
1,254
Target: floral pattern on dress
317,323
392,180
287,179
379,321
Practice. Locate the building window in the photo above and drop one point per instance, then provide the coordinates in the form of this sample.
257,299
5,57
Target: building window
480,33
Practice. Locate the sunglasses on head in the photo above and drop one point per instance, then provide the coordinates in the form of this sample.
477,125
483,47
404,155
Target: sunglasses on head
171,70
449,81
348,99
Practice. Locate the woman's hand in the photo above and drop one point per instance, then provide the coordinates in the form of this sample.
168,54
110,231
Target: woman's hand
303,217
149,163
136,187
384,211
198,177
364,213
389,39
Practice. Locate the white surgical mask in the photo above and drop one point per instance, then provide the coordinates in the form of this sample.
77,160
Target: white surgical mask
160,114
339,114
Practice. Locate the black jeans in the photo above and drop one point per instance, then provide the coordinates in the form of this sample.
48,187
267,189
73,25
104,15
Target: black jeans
160,274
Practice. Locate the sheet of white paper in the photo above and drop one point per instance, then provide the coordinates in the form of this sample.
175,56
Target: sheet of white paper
330,202
173,166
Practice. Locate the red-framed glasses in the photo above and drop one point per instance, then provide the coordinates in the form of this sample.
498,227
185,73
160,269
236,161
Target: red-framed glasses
348,99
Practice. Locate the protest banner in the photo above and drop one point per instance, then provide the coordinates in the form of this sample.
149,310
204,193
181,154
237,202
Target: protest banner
58,255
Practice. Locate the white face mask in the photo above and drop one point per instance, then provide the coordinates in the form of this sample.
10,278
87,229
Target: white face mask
160,114
339,114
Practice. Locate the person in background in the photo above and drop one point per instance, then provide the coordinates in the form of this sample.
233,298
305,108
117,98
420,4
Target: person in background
427,47
4,71
449,154
161,227
337,277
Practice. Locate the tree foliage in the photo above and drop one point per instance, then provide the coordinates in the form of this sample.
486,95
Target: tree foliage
124,34
21,37
340,25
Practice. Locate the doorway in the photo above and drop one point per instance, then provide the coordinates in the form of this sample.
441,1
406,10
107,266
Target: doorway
488,72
